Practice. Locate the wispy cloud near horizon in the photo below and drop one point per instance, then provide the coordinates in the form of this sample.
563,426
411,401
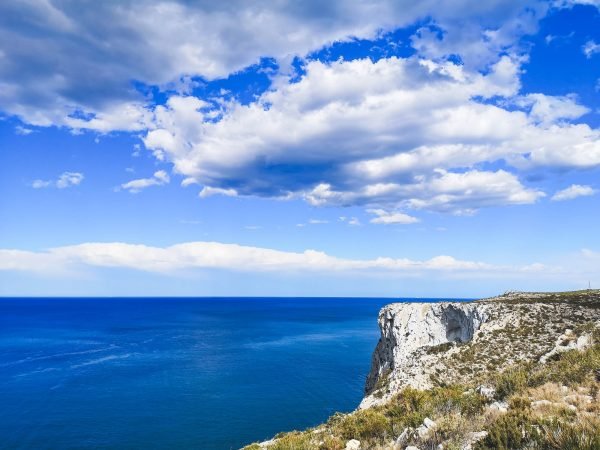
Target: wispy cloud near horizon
216,255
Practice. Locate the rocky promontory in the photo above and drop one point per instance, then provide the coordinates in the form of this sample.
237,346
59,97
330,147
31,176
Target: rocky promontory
521,370
425,344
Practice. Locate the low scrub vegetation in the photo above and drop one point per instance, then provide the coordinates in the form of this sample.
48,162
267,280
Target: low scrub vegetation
549,406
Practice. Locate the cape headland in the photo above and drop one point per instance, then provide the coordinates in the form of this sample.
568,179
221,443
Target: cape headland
521,370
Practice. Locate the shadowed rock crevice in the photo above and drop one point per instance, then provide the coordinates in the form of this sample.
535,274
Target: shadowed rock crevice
459,326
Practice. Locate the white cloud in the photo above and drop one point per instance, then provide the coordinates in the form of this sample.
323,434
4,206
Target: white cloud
23,131
571,3
418,132
40,184
159,178
123,116
64,180
208,191
573,191
387,217
590,48
69,179
477,46
550,38
587,253
215,255
462,193
382,134
353,221
549,109
313,222
66,68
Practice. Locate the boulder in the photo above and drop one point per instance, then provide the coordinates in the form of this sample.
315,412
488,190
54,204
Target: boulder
424,430
472,438
499,406
352,444
404,436
486,391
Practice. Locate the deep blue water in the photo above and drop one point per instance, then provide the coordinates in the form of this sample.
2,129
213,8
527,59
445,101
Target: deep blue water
207,373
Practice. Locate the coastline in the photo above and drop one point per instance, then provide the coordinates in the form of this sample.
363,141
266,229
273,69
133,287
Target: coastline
531,355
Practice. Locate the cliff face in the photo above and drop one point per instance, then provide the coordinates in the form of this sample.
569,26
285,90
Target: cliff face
407,329
423,344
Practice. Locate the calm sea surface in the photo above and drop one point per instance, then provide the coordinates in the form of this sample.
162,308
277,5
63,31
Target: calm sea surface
206,373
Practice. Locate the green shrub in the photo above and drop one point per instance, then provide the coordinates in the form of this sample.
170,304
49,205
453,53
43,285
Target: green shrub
409,408
513,430
584,435
456,398
252,447
294,440
332,443
412,406
381,383
440,348
511,381
363,424
519,403
573,367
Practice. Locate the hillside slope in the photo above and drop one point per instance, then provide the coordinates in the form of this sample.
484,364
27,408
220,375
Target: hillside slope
425,344
521,370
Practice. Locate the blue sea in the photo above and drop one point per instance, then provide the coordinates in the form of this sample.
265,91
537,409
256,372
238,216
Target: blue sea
200,373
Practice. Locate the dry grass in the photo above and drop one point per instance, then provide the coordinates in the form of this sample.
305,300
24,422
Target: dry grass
566,415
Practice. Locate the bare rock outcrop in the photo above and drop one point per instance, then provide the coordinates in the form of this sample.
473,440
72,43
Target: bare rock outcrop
423,344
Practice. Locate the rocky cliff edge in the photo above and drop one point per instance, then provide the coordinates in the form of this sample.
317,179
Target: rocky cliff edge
427,344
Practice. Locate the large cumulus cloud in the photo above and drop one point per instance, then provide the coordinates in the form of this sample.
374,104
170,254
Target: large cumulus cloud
422,133
398,132
73,62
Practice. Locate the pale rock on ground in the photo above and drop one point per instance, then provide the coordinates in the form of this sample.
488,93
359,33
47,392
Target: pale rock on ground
266,444
352,444
486,391
427,427
565,342
404,436
547,403
473,438
499,406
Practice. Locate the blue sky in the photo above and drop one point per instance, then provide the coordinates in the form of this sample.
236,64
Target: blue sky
387,148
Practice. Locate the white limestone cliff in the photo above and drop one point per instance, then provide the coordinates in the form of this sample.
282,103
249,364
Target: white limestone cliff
408,330
425,344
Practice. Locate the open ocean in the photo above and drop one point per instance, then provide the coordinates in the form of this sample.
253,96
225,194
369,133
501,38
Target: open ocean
204,373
